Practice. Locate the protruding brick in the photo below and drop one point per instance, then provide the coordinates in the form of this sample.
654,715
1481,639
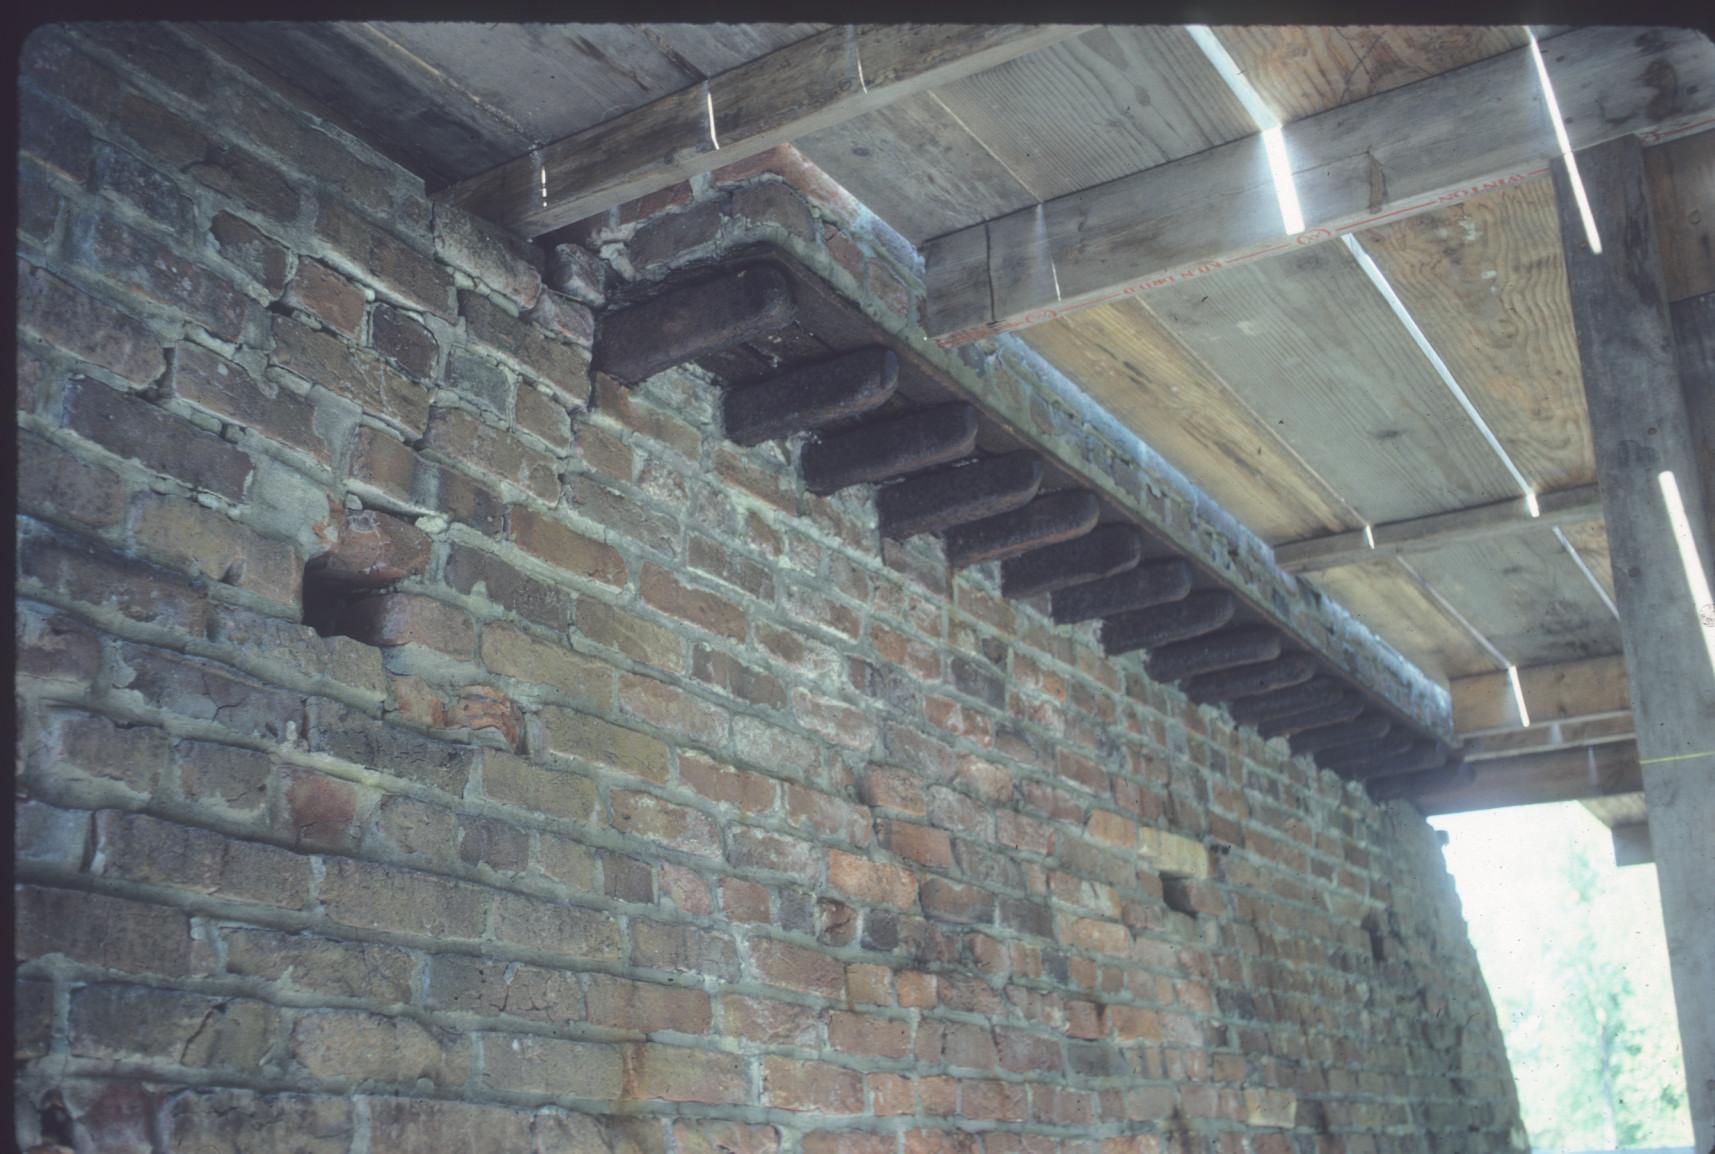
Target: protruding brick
374,549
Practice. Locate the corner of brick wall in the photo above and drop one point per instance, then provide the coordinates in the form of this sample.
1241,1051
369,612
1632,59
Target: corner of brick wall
643,800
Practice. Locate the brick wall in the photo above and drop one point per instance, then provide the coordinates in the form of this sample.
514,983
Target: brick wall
620,795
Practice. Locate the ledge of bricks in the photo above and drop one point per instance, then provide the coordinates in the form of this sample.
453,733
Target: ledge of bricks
421,749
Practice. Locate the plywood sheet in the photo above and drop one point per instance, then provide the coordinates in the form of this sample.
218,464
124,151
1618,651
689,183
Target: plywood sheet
1682,202
1525,594
1485,281
1590,539
1302,70
710,49
1392,602
1310,344
915,166
1110,102
1126,359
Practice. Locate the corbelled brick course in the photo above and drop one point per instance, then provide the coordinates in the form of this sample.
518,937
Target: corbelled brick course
636,799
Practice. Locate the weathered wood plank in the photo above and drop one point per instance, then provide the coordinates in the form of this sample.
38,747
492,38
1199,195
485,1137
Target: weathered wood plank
1566,691
1682,189
1313,694
1152,584
1694,353
808,85
970,492
1300,70
1448,779
685,323
1250,680
1368,728
1105,551
1048,520
1180,619
1657,515
1398,152
1245,645
1563,507
882,450
1566,775
810,396
1389,597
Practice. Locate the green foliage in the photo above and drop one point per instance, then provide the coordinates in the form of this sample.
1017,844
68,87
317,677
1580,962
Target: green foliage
1575,958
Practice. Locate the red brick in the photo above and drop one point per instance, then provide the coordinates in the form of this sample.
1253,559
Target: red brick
797,968
479,573
680,827
103,931
648,420
621,627
157,272
709,1136
564,547
768,1022
571,675
207,543
799,1084
327,296
670,708
919,843
402,339
373,549
479,707
60,487
457,434
385,260
699,607
322,358
876,883
746,901
746,682
227,390
748,792
678,1074
511,780
869,1035
87,328
84,571
550,360
646,1006
390,619
949,901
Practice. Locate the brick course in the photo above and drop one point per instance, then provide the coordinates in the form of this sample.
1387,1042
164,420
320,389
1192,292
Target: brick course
641,801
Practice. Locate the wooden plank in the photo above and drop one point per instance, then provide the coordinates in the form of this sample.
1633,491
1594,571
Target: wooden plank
1562,507
1131,362
1661,537
1542,738
1694,354
1566,775
1618,809
1566,691
1525,594
710,49
815,83
1300,70
1682,192
1113,101
1485,281
1590,541
1389,598
1311,346
1398,152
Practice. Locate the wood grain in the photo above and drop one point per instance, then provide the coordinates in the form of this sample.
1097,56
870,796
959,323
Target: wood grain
1129,361
1305,69
1682,199
710,49
1393,603
1561,692
1110,102
1485,281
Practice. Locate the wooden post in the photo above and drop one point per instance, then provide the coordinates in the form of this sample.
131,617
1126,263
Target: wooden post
1658,532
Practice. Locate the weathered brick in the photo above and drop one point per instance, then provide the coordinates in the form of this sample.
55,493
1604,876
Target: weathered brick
404,340
777,203
221,387
592,739
658,946
319,155
492,987
550,360
540,415
480,380
53,63
563,547
114,1021
104,931
168,137
646,1006
647,816
382,897
578,273
510,780
57,486
749,792
327,296
84,571
389,263
670,708
323,359
457,434
511,652
796,1084
151,192
505,263
207,543
570,932
500,847
413,1125
343,1045
948,901
241,175
700,607
40,206
223,1121
127,426
797,967
87,328
523,1063
263,258
870,881
140,848
158,273
869,1035
564,317
50,644
310,964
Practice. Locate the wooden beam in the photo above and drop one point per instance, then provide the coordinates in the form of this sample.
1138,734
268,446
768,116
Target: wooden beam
1287,724
810,396
1048,520
1246,645
1663,552
1566,775
1105,551
1541,738
1178,619
1422,756
1368,728
1313,694
683,324
1251,680
1363,755
1145,586
1443,780
1562,507
802,88
1390,155
882,450
1564,691
1632,844
935,501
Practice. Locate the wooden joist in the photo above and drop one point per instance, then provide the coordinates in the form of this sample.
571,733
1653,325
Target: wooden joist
1568,775
1164,624
1105,551
802,88
1147,585
1367,728
1250,680
1312,694
1563,507
883,450
1399,152
1447,779
1246,645
936,501
1422,755
1048,520
691,321
810,396
1360,755
1345,709
1564,691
